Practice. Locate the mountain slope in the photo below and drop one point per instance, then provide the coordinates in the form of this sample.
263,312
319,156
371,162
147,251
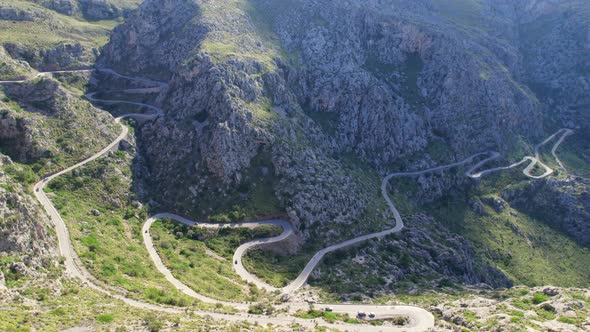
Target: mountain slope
255,96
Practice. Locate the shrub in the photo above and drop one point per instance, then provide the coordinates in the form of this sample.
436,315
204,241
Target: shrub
91,242
567,320
7,187
104,318
539,298
153,323
261,308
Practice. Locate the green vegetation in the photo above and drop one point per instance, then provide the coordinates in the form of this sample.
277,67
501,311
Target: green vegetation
202,258
374,65
525,249
409,70
255,42
275,269
328,316
23,174
369,181
63,131
104,318
223,45
412,68
539,298
11,69
105,226
40,308
261,308
467,15
575,151
278,270
328,121
439,151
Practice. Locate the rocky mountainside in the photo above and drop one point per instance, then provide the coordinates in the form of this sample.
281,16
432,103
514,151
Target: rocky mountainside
321,98
298,108
236,84
564,203
27,245
45,124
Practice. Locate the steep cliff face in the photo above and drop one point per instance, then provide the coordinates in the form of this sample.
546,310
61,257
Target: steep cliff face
156,38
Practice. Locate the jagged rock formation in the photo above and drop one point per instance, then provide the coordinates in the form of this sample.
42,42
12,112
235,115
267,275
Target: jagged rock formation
13,13
66,7
530,304
555,55
47,40
11,68
60,56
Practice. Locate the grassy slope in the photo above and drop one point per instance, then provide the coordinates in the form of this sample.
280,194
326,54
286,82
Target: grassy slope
524,248
12,69
202,259
74,305
51,29
47,309
111,245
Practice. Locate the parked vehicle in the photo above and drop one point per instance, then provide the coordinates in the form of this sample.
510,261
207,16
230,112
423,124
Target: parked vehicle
361,314
329,309
371,315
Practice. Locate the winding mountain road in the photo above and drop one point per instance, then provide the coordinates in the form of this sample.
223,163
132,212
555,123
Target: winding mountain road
534,160
420,319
